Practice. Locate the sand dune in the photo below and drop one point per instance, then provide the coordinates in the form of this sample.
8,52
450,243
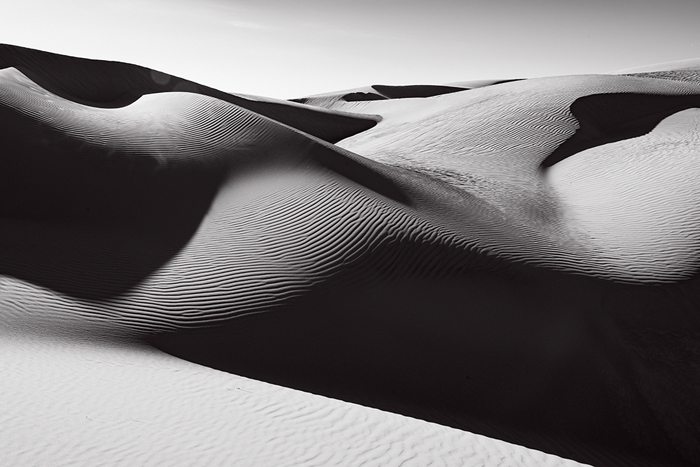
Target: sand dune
496,143
519,261
378,92
682,70
114,84
676,65
382,92
67,402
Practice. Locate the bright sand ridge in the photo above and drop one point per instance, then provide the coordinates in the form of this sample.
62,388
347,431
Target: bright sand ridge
179,210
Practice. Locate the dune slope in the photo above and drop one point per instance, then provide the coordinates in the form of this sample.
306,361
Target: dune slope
70,402
435,265
97,202
100,83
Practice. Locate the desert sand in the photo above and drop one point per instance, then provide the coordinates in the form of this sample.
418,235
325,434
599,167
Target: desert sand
501,273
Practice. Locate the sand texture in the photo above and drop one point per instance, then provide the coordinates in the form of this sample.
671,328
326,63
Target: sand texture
71,402
441,275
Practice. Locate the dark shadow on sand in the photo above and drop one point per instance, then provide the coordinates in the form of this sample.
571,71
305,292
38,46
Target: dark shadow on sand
607,118
363,96
421,348
415,90
88,221
106,84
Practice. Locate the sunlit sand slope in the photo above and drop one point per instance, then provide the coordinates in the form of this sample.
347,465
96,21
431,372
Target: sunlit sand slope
88,403
95,202
114,84
499,143
457,266
383,92
638,197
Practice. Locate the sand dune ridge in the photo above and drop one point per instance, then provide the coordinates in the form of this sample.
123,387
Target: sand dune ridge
516,260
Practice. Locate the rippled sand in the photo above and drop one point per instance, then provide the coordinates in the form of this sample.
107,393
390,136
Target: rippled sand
514,259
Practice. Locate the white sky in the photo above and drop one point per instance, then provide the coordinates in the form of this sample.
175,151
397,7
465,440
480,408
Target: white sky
293,48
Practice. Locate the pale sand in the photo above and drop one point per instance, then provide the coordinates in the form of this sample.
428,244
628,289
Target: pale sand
68,402
612,191
80,398
492,142
690,64
449,276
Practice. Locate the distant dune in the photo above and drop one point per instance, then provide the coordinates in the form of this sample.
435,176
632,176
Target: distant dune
677,65
516,261
105,84
379,92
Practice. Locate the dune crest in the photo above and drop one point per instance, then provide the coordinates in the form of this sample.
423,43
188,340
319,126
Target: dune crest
612,191
518,261
115,84
676,65
492,145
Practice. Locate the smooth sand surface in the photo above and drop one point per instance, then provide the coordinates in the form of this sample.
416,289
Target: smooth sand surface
434,263
86,402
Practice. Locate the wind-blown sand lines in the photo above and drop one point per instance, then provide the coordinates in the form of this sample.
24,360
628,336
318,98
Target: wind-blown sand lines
629,182
606,118
490,143
67,402
100,83
436,265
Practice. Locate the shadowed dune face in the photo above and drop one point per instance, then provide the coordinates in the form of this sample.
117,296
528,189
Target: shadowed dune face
114,84
363,96
402,92
136,181
606,118
492,142
384,92
442,273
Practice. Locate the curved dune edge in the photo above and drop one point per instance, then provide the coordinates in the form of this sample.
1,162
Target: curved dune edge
607,118
68,402
117,173
491,143
379,92
384,92
362,96
613,191
402,92
114,84
689,64
227,213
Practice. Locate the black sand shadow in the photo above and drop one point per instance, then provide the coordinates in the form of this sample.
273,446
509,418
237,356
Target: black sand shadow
100,83
88,221
421,349
607,118
415,90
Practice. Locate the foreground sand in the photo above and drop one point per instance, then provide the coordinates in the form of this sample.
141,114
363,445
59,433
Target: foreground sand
72,402
517,260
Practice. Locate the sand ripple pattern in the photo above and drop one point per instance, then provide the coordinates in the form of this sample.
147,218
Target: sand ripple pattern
637,198
490,143
241,215
280,223
103,405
